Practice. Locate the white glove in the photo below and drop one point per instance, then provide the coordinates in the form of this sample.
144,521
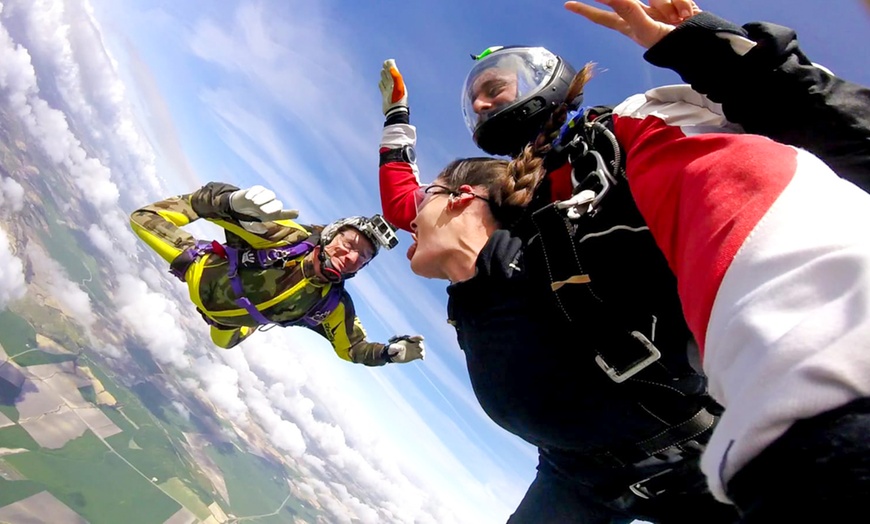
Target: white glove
260,204
393,89
404,349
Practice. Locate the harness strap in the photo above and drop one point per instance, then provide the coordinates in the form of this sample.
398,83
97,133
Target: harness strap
665,443
261,258
571,286
321,310
180,264
232,256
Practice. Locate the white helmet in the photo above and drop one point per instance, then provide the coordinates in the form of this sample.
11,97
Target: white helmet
379,232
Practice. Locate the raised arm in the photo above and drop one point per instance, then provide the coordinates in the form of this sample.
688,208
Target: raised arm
399,178
766,84
761,77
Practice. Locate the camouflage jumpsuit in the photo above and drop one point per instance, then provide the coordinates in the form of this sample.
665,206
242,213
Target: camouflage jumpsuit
281,294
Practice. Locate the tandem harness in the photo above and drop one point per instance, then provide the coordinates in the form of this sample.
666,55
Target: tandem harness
257,259
593,178
598,179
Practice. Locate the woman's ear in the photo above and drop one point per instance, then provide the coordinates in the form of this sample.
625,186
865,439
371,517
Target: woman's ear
459,201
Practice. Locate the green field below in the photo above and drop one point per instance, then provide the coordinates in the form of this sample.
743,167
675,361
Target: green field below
95,483
132,406
161,454
8,410
89,394
157,456
16,333
256,486
37,358
16,437
14,490
182,492
64,246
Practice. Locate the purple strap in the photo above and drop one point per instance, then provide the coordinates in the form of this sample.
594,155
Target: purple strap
265,258
178,267
238,289
314,317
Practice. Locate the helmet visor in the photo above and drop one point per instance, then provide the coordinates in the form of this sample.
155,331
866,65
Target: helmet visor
502,79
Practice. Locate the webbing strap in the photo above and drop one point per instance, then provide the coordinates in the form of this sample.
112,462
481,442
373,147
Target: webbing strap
631,350
676,434
262,258
560,256
312,318
316,315
242,301
180,264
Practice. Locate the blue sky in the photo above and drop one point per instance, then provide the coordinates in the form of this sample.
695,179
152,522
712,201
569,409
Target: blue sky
283,93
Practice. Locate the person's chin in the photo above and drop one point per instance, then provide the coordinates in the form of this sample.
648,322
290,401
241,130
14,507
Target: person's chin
337,265
423,268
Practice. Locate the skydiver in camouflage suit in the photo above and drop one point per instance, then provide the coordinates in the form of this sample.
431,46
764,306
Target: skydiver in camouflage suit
285,273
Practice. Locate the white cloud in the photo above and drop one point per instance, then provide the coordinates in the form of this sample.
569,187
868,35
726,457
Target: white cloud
53,277
181,409
114,241
108,350
49,126
12,284
222,387
64,40
153,318
11,195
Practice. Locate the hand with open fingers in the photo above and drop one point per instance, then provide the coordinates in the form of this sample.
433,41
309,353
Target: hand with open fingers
405,348
645,24
673,11
259,204
393,89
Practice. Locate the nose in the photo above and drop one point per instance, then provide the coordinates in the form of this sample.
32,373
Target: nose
481,105
414,225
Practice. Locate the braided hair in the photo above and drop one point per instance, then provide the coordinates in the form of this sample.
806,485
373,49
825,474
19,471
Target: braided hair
527,169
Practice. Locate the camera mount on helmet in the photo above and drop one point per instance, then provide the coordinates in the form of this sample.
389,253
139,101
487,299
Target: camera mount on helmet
509,94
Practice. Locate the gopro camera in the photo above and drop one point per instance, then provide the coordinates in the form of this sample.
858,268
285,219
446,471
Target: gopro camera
383,232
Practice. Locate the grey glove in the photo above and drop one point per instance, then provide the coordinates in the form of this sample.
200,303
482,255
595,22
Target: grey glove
404,349
259,203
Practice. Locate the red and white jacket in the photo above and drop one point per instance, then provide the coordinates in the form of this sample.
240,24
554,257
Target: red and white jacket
772,260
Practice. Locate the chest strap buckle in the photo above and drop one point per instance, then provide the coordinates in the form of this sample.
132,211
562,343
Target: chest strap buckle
621,375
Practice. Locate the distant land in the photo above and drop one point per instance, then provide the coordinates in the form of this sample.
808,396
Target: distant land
89,438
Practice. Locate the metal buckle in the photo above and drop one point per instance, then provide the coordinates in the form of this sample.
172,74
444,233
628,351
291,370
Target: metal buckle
641,490
619,377
319,316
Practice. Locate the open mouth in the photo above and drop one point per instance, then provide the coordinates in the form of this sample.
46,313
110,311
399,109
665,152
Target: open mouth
413,248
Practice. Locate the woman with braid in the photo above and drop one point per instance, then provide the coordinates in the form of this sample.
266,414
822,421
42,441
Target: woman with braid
564,297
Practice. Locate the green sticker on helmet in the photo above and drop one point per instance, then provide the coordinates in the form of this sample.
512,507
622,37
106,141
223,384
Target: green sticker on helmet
486,52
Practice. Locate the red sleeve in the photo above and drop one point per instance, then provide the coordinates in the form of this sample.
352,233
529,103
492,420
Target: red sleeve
700,194
398,185
561,186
